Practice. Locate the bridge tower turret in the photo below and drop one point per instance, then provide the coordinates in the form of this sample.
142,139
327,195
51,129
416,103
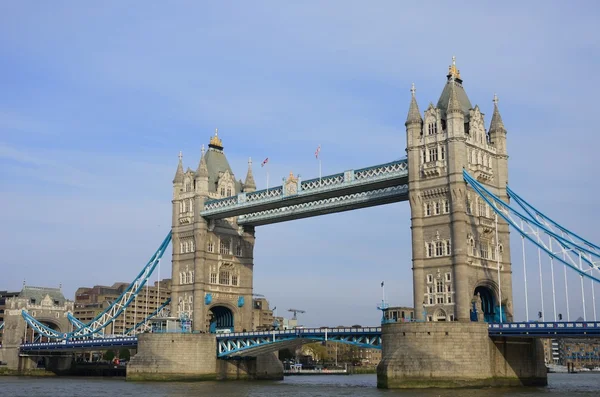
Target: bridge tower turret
212,260
455,252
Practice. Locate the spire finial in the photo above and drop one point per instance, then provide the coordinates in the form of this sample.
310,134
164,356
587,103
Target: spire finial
413,89
495,100
215,141
453,72
202,150
180,155
23,282
249,162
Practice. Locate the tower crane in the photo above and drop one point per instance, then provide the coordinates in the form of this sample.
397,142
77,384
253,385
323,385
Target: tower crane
295,311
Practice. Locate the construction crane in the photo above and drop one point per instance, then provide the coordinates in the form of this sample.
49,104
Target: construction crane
295,311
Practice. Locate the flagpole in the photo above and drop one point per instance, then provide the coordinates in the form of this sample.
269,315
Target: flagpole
319,171
267,176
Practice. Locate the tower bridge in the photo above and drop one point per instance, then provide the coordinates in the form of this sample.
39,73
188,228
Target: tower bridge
455,177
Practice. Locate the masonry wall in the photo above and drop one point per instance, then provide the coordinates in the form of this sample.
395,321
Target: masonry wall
193,357
174,356
456,354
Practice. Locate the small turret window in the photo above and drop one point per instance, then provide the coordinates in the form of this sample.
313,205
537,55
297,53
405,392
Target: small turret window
432,128
228,192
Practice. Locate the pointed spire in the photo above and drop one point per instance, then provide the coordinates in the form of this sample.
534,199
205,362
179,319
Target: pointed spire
496,124
202,170
453,102
414,115
249,184
179,174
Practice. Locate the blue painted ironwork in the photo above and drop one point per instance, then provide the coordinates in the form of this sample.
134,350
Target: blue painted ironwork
569,252
77,324
332,204
208,298
1,326
143,325
113,311
546,329
78,344
240,302
240,344
352,181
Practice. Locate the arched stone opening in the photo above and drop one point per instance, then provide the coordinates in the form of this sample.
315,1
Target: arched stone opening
440,315
220,318
485,304
32,336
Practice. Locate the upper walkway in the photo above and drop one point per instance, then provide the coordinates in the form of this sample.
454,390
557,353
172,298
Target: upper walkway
295,199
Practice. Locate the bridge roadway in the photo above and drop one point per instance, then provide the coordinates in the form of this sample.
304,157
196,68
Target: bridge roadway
295,199
252,344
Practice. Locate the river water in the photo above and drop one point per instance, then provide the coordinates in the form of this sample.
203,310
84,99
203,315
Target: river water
580,385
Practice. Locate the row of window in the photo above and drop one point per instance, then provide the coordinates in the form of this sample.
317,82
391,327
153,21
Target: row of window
186,277
187,245
479,157
433,154
225,278
484,249
437,248
482,207
437,207
447,277
186,205
439,299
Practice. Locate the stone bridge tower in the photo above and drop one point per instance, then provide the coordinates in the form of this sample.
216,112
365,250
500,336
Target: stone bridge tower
454,246
212,260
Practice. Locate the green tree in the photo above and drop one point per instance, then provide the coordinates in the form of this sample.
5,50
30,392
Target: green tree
108,355
124,354
317,350
286,354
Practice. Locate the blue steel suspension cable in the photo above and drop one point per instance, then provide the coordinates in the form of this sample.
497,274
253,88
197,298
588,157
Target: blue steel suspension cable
567,244
478,189
524,204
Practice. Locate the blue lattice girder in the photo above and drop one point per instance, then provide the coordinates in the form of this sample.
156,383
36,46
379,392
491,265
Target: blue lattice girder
327,206
252,344
570,254
371,178
113,311
77,324
144,325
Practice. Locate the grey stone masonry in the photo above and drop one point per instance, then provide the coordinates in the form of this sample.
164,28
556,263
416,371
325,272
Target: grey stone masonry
456,354
212,265
455,250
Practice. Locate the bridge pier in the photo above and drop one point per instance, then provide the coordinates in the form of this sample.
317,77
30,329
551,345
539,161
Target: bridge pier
456,354
172,356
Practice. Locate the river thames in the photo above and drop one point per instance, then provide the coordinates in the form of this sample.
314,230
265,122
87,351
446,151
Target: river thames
581,385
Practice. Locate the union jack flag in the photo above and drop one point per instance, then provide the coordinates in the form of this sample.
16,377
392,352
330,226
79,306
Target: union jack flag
317,152
265,161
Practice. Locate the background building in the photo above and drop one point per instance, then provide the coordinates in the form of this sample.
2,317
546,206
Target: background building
4,295
399,313
89,302
580,352
262,315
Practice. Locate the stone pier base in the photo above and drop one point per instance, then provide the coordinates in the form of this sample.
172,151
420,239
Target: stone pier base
173,356
453,354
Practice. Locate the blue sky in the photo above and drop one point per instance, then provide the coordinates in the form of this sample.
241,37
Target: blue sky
97,101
